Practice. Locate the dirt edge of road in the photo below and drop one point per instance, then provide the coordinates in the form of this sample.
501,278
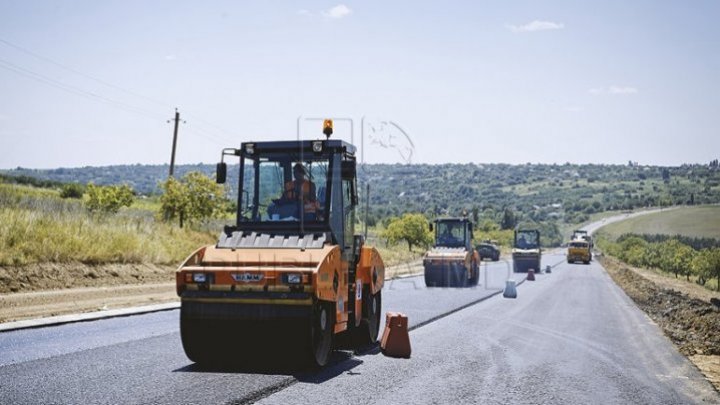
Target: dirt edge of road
50,289
688,319
57,276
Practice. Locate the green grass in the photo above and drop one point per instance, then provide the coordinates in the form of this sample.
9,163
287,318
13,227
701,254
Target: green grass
38,226
147,203
698,222
567,229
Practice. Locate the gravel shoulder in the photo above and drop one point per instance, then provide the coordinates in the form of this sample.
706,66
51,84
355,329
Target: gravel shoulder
42,290
688,314
50,289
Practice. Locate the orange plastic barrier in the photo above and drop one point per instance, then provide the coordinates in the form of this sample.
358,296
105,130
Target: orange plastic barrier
395,339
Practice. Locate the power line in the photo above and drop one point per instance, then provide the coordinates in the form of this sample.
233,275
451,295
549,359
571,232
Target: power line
217,139
210,124
74,90
77,72
113,86
80,92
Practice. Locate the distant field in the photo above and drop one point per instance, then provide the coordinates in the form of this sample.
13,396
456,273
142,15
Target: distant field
567,229
700,221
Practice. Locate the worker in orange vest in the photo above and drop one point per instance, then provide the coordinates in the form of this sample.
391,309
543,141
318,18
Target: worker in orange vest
303,190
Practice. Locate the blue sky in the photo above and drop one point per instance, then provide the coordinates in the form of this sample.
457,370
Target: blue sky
93,82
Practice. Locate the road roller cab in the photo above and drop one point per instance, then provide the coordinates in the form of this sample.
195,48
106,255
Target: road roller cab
526,251
452,262
292,256
583,235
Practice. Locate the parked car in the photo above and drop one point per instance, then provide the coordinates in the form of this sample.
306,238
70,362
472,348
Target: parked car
488,250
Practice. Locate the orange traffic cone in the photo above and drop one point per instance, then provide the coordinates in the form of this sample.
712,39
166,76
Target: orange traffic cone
531,275
396,340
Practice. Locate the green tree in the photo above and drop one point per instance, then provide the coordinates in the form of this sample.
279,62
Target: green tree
174,200
706,265
72,190
632,250
196,197
676,257
653,255
700,266
714,265
488,225
508,220
107,198
665,174
682,261
411,228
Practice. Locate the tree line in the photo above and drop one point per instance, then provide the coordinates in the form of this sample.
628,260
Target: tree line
694,242
670,255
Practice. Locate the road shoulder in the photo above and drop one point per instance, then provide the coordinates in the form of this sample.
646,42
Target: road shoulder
684,314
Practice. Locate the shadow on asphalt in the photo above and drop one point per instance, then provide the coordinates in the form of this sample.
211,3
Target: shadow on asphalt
268,367
288,364
342,362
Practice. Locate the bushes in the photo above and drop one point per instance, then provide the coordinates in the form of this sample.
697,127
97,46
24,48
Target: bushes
108,198
72,190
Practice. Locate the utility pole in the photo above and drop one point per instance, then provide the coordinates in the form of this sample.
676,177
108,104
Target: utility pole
367,206
172,156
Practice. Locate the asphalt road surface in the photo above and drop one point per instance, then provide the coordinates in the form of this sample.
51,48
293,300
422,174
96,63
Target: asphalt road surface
570,337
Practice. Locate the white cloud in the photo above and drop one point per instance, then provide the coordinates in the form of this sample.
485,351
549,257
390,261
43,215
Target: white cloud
170,57
337,12
573,109
622,90
618,90
536,25
304,12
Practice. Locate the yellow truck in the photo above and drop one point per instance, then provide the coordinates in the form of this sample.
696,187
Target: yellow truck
579,251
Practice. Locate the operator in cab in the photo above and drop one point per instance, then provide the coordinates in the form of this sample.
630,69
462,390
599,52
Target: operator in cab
300,190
